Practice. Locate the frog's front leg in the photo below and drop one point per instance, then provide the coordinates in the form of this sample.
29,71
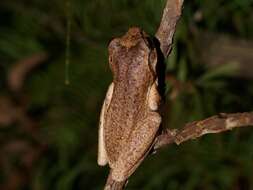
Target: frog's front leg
136,146
154,97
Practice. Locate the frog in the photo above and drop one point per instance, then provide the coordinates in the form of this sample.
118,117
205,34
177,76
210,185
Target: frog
129,119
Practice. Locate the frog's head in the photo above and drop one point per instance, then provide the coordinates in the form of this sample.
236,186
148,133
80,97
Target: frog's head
133,36
135,47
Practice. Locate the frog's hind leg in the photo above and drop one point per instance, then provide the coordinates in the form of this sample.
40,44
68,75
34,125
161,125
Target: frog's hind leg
136,147
102,155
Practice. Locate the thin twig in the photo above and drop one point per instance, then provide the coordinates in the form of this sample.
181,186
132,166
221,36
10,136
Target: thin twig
196,129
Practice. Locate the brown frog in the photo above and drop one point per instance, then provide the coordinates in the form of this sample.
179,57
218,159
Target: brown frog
129,119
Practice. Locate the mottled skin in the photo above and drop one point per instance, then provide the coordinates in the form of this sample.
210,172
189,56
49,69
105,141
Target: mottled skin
129,118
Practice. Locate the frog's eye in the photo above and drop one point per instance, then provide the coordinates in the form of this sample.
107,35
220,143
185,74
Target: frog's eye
147,42
153,59
113,44
110,58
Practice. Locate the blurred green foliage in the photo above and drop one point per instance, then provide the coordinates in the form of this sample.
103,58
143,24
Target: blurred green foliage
67,116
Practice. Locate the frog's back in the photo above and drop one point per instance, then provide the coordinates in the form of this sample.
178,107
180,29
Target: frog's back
132,78
128,105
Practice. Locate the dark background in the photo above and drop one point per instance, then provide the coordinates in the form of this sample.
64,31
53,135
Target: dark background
48,130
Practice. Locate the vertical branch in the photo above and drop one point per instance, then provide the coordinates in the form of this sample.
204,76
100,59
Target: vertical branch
166,30
114,185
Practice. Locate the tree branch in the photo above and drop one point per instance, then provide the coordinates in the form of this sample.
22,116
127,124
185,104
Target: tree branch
196,129
114,185
166,30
